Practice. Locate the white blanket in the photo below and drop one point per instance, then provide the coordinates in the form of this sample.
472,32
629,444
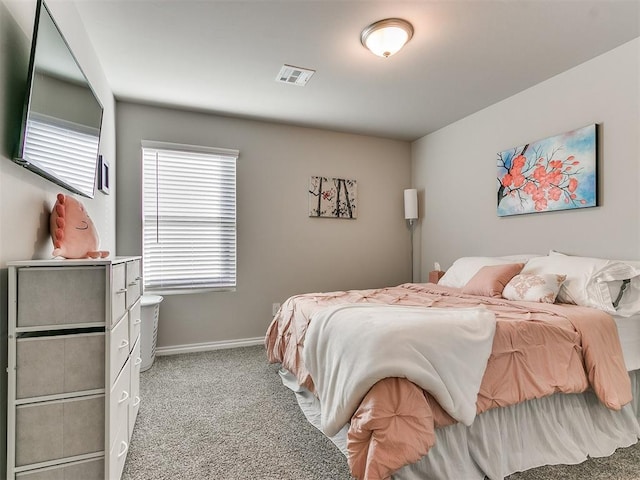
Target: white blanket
349,348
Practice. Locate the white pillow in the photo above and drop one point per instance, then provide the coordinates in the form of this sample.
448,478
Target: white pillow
531,287
630,302
464,268
588,279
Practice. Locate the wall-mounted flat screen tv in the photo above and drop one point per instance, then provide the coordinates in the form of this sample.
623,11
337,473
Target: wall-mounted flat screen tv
62,116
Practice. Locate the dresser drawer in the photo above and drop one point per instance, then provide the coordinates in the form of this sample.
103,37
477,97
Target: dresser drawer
118,292
59,364
135,322
133,282
118,453
60,296
134,406
85,470
59,429
118,348
119,402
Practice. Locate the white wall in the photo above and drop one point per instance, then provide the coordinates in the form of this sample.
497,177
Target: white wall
26,198
455,169
281,251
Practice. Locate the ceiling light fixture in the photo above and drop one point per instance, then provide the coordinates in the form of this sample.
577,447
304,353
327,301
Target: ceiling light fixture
386,37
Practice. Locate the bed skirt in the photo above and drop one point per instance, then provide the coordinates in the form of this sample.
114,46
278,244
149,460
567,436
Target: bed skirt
559,429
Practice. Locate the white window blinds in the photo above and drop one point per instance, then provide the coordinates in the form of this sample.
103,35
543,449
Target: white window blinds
189,209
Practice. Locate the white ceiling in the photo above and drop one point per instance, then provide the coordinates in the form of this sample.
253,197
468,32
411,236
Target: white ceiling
223,56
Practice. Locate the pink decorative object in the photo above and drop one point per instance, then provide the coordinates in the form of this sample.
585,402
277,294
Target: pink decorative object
491,279
72,231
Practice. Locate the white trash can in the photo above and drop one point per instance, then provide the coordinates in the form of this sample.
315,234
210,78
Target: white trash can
149,329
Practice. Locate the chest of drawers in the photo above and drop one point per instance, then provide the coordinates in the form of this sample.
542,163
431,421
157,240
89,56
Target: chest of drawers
73,367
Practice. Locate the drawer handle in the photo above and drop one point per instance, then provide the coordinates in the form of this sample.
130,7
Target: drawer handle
134,283
136,402
138,361
138,278
123,344
124,396
124,446
121,291
137,321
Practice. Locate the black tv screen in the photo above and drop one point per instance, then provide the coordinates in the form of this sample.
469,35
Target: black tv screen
62,117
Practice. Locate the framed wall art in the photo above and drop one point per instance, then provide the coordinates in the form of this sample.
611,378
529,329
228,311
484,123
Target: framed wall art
333,197
556,173
103,175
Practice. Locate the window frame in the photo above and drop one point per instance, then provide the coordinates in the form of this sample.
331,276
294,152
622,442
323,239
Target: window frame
191,149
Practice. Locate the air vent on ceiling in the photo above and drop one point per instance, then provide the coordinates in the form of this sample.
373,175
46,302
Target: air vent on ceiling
294,75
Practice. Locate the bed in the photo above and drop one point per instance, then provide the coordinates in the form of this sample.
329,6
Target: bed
508,363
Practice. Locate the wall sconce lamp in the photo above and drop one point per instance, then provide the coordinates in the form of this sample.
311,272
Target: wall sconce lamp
411,215
386,37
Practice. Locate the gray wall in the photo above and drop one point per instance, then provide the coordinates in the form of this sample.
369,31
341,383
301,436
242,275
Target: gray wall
281,251
455,169
26,198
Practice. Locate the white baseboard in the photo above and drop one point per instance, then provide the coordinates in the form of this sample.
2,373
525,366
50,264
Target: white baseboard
205,347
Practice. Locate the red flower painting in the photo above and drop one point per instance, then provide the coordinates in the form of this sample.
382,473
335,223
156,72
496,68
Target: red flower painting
552,174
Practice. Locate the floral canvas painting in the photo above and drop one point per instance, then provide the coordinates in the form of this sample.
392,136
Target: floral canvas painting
333,197
556,173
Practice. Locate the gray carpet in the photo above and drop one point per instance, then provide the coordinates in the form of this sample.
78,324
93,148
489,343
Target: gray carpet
226,415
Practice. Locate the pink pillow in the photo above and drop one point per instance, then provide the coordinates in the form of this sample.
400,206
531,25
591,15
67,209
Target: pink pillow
491,280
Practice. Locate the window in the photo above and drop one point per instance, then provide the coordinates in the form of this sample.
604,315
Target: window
189,224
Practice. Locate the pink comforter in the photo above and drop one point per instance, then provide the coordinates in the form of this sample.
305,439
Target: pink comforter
538,350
